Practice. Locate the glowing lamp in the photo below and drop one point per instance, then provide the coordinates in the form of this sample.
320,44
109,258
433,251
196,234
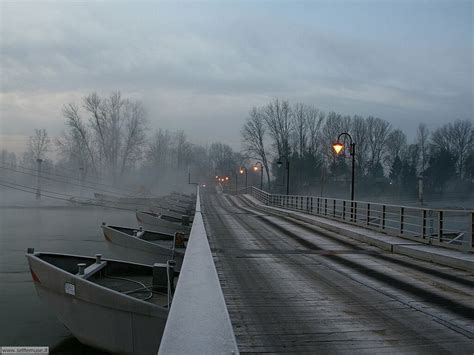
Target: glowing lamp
338,147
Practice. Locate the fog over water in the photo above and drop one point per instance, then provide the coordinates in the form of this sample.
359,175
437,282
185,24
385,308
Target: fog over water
139,99
45,226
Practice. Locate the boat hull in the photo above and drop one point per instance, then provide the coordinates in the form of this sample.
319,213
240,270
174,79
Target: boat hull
98,316
127,247
159,224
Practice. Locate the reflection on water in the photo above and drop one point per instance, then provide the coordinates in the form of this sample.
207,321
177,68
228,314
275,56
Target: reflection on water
63,229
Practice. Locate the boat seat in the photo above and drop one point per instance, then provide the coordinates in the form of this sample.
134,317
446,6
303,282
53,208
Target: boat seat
92,269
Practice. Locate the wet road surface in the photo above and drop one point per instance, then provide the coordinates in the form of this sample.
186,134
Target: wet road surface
290,288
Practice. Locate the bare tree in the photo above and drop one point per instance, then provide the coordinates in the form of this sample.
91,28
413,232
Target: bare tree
134,137
335,124
455,138
113,136
314,121
182,149
300,123
359,132
396,143
378,131
462,137
253,138
441,139
277,116
422,137
39,144
223,158
159,150
78,141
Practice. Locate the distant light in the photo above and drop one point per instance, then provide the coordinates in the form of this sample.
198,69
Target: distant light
227,178
338,147
255,168
217,176
241,171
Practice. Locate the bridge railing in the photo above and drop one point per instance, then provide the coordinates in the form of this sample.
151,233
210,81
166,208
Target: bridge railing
443,227
198,321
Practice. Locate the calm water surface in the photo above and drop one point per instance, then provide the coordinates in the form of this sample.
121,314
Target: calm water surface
25,321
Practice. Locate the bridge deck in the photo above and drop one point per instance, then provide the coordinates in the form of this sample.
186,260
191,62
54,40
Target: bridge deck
291,289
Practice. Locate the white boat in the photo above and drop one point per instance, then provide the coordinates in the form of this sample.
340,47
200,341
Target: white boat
163,223
144,246
117,306
170,212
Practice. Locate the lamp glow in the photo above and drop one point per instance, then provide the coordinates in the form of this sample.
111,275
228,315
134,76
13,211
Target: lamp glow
338,147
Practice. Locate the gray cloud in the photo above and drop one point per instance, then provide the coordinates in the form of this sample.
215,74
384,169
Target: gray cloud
202,65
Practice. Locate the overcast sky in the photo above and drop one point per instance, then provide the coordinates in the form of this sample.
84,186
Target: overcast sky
201,66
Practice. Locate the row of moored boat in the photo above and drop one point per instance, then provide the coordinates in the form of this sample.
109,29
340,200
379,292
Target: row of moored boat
120,304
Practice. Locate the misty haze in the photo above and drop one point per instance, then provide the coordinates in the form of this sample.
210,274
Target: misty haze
215,177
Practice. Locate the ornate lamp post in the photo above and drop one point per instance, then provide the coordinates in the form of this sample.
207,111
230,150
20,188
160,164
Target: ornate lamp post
338,147
255,168
279,164
242,171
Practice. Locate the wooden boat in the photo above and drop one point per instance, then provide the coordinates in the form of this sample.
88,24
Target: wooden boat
163,223
144,246
117,306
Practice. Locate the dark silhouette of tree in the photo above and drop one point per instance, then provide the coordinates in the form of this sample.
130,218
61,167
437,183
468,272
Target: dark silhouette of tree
396,170
442,167
253,139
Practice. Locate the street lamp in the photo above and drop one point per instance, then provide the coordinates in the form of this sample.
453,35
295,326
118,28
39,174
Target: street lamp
279,164
236,180
255,168
338,148
242,171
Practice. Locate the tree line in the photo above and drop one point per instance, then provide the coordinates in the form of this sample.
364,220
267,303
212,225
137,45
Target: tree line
385,160
107,138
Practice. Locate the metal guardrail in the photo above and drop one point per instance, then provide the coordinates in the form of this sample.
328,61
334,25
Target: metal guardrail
198,322
442,227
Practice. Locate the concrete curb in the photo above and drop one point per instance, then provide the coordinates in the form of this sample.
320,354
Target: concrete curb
198,322
397,245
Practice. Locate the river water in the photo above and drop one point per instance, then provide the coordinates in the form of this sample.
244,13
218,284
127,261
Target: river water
53,228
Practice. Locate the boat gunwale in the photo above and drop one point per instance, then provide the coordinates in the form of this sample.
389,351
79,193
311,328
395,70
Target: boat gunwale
138,229
178,252
173,224
112,292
